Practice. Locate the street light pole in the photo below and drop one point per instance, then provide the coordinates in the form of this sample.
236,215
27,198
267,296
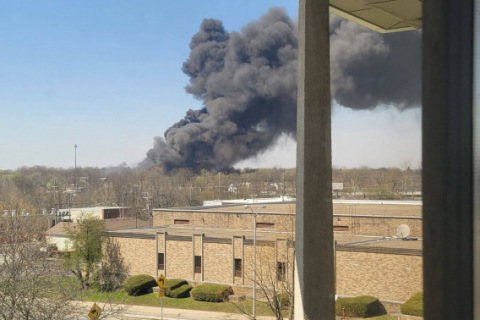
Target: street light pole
254,311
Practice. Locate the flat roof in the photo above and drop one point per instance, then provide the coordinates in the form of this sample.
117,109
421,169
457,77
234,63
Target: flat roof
61,228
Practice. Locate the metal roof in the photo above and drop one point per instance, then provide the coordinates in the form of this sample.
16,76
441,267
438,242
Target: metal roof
381,15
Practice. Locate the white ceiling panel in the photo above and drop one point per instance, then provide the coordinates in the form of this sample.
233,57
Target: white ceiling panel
381,15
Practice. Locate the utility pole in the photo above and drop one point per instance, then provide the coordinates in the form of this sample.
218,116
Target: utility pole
75,174
54,189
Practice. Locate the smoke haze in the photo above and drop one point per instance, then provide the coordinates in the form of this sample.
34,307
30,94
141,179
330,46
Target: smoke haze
246,82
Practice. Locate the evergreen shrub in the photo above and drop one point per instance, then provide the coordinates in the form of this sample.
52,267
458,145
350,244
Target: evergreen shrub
211,292
140,284
414,305
362,307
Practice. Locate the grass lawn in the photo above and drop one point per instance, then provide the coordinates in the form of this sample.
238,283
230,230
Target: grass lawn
152,299
384,317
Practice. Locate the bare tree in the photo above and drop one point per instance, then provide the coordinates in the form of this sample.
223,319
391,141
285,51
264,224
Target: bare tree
274,272
114,268
30,288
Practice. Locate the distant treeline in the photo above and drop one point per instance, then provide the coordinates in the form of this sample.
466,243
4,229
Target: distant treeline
37,188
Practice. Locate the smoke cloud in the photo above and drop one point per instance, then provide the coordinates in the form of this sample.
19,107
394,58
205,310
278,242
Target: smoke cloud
247,80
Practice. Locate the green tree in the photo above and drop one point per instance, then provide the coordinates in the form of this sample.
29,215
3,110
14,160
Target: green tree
84,261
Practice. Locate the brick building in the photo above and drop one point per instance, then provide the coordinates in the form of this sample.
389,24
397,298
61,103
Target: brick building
215,245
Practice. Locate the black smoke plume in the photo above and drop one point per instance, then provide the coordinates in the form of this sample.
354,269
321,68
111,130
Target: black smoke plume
247,84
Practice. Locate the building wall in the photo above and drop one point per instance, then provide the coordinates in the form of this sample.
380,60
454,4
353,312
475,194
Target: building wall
78,214
375,226
139,254
379,226
385,276
218,262
179,259
283,222
62,243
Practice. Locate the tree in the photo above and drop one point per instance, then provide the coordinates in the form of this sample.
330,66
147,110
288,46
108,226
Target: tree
84,260
114,269
28,279
274,272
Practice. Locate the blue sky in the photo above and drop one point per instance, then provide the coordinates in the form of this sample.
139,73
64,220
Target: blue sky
106,75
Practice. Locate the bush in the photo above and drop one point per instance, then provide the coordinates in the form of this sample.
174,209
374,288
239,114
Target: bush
211,292
172,284
362,306
180,292
414,305
138,285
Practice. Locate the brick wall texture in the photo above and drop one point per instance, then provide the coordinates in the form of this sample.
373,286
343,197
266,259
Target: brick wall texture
379,226
179,259
139,254
283,222
218,262
376,226
386,276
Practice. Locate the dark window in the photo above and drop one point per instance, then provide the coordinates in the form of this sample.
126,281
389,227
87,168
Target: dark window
161,261
281,271
198,264
181,221
267,225
238,267
340,228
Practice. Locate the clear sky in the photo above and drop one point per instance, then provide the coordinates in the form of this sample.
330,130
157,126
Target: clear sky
106,75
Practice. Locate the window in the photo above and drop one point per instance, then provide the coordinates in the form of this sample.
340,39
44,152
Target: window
341,228
266,225
181,221
281,271
238,267
198,264
161,261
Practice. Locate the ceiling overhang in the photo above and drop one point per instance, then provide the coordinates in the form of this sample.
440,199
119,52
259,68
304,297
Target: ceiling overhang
381,15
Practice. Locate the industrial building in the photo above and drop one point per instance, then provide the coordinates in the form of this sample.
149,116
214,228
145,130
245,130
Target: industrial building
215,245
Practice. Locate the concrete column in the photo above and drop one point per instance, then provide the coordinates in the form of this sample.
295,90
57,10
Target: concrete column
314,281
448,159
165,254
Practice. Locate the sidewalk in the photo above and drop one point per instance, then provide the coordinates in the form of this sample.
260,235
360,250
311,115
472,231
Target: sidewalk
145,312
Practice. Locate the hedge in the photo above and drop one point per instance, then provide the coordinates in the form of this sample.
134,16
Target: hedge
211,292
362,306
180,292
171,284
140,284
414,305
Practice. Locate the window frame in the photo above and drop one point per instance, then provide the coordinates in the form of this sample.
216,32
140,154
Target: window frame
160,261
197,264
